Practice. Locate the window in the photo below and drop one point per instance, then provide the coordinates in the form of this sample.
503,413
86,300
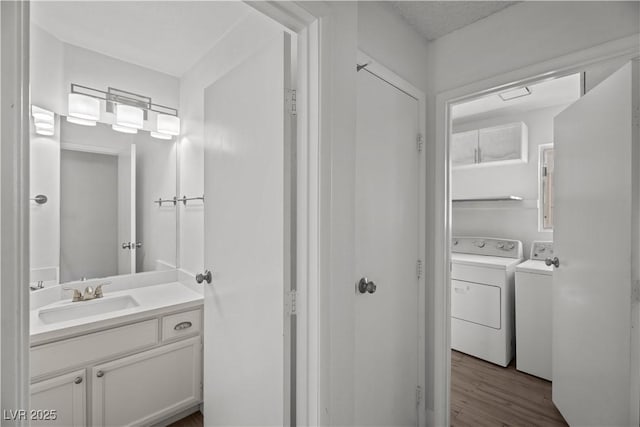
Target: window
546,187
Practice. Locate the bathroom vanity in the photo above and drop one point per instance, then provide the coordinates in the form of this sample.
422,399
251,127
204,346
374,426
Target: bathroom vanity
133,357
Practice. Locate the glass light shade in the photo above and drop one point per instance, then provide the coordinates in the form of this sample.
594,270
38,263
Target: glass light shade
129,116
43,124
168,124
84,107
40,114
45,132
161,135
82,122
124,129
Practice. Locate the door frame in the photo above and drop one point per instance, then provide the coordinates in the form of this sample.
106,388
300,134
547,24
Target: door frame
390,77
312,23
626,47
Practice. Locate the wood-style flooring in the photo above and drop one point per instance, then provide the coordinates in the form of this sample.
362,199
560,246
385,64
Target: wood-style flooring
193,420
484,394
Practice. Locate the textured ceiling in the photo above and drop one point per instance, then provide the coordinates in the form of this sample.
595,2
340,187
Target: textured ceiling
434,19
166,36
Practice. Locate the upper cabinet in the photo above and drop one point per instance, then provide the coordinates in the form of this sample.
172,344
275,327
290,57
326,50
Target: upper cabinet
498,145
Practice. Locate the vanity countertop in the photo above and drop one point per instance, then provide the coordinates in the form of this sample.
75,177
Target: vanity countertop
151,300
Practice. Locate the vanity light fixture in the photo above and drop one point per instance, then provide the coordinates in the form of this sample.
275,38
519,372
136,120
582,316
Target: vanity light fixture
44,120
130,109
84,107
515,93
128,116
160,135
167,124
124,129
82,122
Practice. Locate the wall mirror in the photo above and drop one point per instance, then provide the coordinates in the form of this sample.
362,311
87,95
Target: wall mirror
101,217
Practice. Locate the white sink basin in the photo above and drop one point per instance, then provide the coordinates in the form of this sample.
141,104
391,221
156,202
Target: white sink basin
76,310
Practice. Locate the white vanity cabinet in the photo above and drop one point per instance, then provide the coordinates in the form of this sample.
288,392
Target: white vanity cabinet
138,373
60,401
148,386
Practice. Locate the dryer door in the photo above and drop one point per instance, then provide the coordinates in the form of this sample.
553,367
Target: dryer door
476,303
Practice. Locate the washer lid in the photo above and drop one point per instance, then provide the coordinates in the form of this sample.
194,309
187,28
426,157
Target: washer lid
496,262
533,266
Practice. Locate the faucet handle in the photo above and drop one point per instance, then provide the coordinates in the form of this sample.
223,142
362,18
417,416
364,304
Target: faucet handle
98,291
77,295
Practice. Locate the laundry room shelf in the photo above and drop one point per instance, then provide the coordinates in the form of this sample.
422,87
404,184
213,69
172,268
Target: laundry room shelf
491,199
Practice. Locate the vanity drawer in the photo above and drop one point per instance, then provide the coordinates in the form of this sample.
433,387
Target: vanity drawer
181,324
90,348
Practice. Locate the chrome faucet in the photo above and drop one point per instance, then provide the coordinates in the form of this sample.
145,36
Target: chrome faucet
89,292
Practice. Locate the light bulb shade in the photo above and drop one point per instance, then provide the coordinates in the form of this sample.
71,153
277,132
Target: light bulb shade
124,129
45,132
168,124
129,116
82,122
40,114
161,135
43,124
84,107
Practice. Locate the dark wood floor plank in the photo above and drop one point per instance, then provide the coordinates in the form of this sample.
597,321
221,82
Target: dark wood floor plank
484,394
193,420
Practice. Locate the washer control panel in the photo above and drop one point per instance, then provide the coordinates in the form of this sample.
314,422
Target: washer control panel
487,246
540,250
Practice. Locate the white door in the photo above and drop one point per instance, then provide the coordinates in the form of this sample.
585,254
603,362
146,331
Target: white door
127,210
596,164
245,140
387,239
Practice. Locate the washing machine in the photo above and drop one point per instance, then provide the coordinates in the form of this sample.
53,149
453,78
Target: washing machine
533,312
482,297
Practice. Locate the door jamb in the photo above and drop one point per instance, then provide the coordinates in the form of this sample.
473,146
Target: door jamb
557,67
390,77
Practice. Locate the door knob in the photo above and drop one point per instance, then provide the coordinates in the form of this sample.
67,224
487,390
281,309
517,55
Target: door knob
200,277
552,261
364,285
126,245
138,245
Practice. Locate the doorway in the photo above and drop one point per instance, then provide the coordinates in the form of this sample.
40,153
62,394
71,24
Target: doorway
591,61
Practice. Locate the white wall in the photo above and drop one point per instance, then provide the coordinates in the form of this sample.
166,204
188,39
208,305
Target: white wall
239,43
519,36
511,220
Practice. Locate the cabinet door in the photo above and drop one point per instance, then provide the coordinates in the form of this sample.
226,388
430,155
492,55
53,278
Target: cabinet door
60,401
500,143
464,146
149,386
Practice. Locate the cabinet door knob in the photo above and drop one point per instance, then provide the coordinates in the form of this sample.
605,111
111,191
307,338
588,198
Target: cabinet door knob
78,380
99,374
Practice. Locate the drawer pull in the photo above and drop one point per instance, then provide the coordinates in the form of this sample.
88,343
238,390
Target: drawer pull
182,325
100,374
78,380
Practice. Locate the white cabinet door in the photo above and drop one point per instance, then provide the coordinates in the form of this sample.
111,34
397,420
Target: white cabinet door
464,148
60,401
500,143
594,347
146,387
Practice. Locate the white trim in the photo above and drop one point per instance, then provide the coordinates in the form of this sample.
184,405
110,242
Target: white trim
395,80
541,228
557,67
14,215
306,25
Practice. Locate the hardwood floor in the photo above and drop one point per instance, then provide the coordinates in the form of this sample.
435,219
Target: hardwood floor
193,420
484,394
